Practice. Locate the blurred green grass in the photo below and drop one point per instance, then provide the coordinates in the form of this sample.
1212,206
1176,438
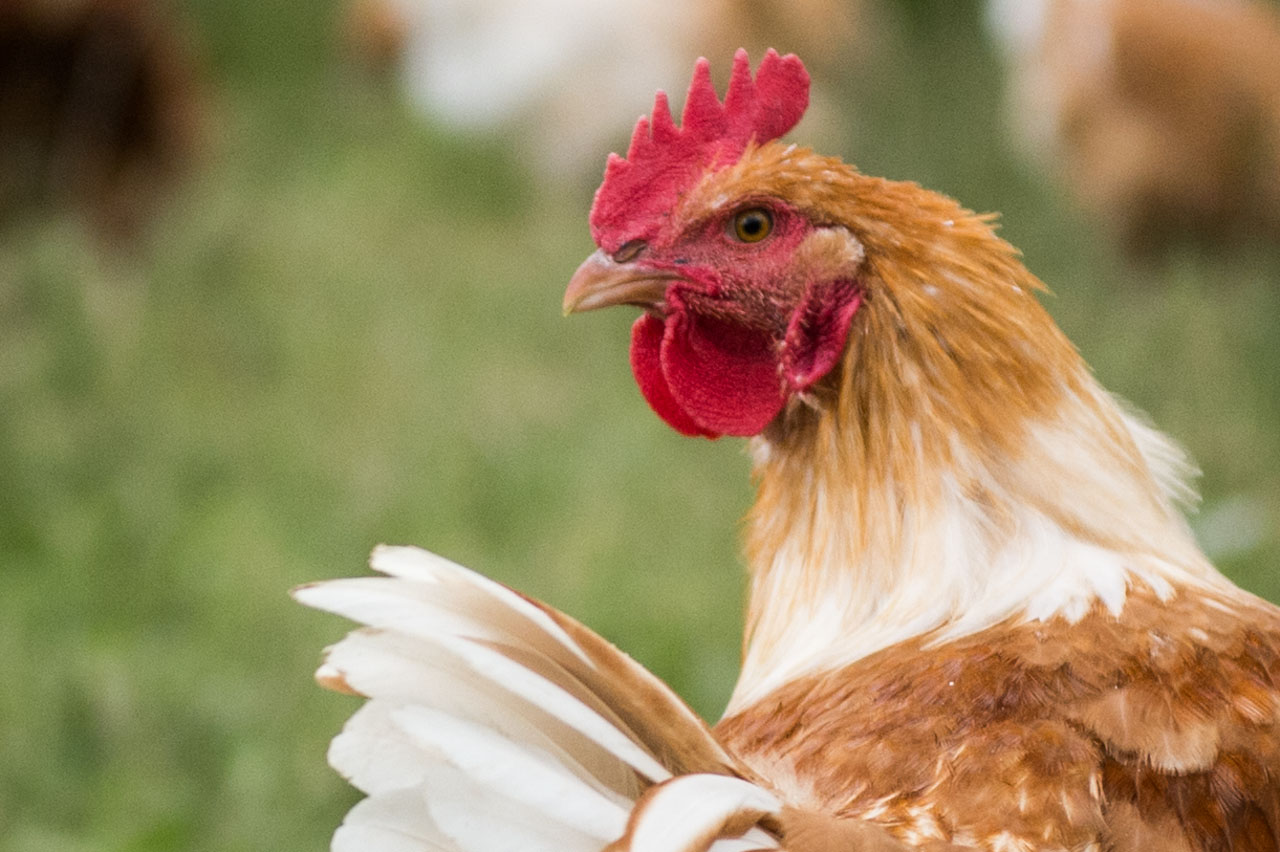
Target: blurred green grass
347,331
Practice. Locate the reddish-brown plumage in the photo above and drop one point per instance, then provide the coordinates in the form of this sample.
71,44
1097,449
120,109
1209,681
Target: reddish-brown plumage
1158,723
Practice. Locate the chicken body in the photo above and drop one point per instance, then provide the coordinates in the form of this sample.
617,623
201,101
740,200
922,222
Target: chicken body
977,616
977,619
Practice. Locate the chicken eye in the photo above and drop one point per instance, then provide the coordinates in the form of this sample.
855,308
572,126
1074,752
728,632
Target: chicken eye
752,226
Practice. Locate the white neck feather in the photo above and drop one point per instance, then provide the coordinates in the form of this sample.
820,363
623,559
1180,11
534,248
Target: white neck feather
1088,509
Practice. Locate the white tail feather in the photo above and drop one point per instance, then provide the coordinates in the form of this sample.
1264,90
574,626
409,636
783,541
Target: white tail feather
527,774
755,840
680,815
402,672
483,818
396,821
494,724
538,682
373,753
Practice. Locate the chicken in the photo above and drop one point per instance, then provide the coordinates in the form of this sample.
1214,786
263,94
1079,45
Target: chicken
977,619
100,108
1161,117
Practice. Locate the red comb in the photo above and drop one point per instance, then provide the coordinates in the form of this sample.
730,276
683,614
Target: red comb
665,160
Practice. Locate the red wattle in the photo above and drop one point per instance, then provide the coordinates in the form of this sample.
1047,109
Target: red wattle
724,375
706,377
818,332
646,365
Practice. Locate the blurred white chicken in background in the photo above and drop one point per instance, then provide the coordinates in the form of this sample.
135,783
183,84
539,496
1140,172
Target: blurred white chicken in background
1161,117
561,77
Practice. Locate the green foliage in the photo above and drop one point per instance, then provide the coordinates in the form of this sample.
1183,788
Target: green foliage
347,331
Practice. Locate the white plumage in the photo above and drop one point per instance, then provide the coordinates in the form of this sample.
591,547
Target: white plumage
562,78
495,724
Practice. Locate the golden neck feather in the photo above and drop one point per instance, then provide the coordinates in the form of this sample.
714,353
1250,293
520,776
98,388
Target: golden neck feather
961,430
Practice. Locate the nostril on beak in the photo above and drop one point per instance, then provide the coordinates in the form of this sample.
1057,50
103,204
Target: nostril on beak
630,251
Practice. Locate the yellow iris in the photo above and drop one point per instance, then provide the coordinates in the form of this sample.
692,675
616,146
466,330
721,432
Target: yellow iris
753,225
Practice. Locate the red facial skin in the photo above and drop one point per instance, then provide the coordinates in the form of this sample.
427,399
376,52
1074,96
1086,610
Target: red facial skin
739,331
733,327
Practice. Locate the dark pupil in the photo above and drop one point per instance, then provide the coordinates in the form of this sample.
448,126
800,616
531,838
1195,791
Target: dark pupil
752,224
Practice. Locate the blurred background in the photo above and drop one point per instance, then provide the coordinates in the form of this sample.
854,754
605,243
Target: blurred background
279,281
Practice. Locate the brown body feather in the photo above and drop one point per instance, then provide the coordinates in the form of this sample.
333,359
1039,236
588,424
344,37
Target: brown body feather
1155,730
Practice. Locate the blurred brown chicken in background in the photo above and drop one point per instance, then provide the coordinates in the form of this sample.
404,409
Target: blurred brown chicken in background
99,109
1162,117
560,77
375,33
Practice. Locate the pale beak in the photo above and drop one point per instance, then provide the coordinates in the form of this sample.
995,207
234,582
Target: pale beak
601,282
